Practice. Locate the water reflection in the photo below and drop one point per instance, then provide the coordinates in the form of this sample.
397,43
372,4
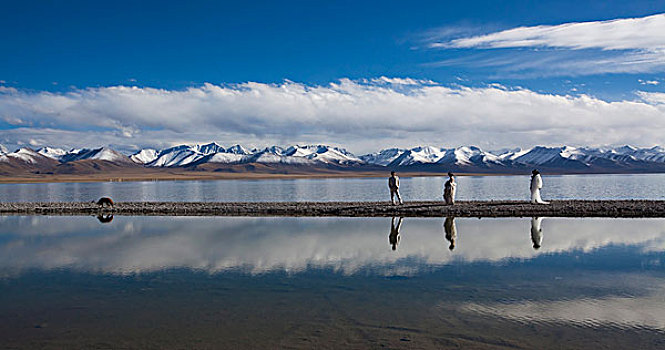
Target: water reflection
105,218
394,237
260,245
261,274
536,232
613,311
450,229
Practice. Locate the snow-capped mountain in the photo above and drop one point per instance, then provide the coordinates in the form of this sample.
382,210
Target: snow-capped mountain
144,156
54,153
559,159
423,158
102,153
24,160
25,155
548,156
184,155
323,154
653,154
191,155
383,157
469,156
418,155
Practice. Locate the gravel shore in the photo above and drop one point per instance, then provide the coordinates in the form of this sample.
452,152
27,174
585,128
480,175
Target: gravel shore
565,208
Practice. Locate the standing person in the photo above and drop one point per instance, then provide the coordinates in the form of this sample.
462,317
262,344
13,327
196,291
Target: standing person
536,185
393,184
449,189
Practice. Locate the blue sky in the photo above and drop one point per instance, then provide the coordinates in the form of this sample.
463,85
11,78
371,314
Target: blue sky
76,50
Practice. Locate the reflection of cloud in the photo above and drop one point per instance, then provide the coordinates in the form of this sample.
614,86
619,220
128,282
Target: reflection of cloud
621,312
258,245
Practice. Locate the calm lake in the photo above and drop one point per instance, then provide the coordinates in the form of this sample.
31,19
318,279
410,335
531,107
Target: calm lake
228,282
643,186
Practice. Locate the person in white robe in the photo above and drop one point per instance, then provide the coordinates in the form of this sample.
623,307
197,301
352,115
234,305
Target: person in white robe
536,185
536,233
449,190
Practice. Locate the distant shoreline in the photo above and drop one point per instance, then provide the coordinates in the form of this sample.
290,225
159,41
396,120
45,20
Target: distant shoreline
561,208
207,176
179,175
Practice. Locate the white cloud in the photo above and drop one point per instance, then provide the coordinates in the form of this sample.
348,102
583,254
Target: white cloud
362,115
645,33
648,82
632,45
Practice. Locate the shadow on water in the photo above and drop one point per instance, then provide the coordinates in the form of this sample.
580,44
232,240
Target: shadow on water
174,282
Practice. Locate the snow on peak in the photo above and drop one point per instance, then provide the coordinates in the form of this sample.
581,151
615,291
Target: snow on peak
209,148
383,157
144,156
419,155
626,149
54,153
26,154
102,153
109,155
323,154
227,158
312,154
238,149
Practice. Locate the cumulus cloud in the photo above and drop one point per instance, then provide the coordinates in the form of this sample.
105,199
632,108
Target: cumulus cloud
629,45
362,115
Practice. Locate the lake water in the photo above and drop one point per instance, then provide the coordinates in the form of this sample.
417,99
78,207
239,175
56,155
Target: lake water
227,282
643,186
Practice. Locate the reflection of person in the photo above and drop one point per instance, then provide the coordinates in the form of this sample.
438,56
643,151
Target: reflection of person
449,189
393,184
451,231
536,185
105,218
536,233
393,238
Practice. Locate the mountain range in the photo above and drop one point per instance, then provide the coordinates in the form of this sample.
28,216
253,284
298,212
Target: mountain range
214,157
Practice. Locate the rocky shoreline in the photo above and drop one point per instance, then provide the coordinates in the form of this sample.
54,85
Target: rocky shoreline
562,208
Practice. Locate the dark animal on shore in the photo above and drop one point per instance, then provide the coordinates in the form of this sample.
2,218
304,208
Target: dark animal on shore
104,201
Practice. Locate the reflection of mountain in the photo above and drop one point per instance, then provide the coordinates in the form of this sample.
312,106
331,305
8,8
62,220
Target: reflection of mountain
259,245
